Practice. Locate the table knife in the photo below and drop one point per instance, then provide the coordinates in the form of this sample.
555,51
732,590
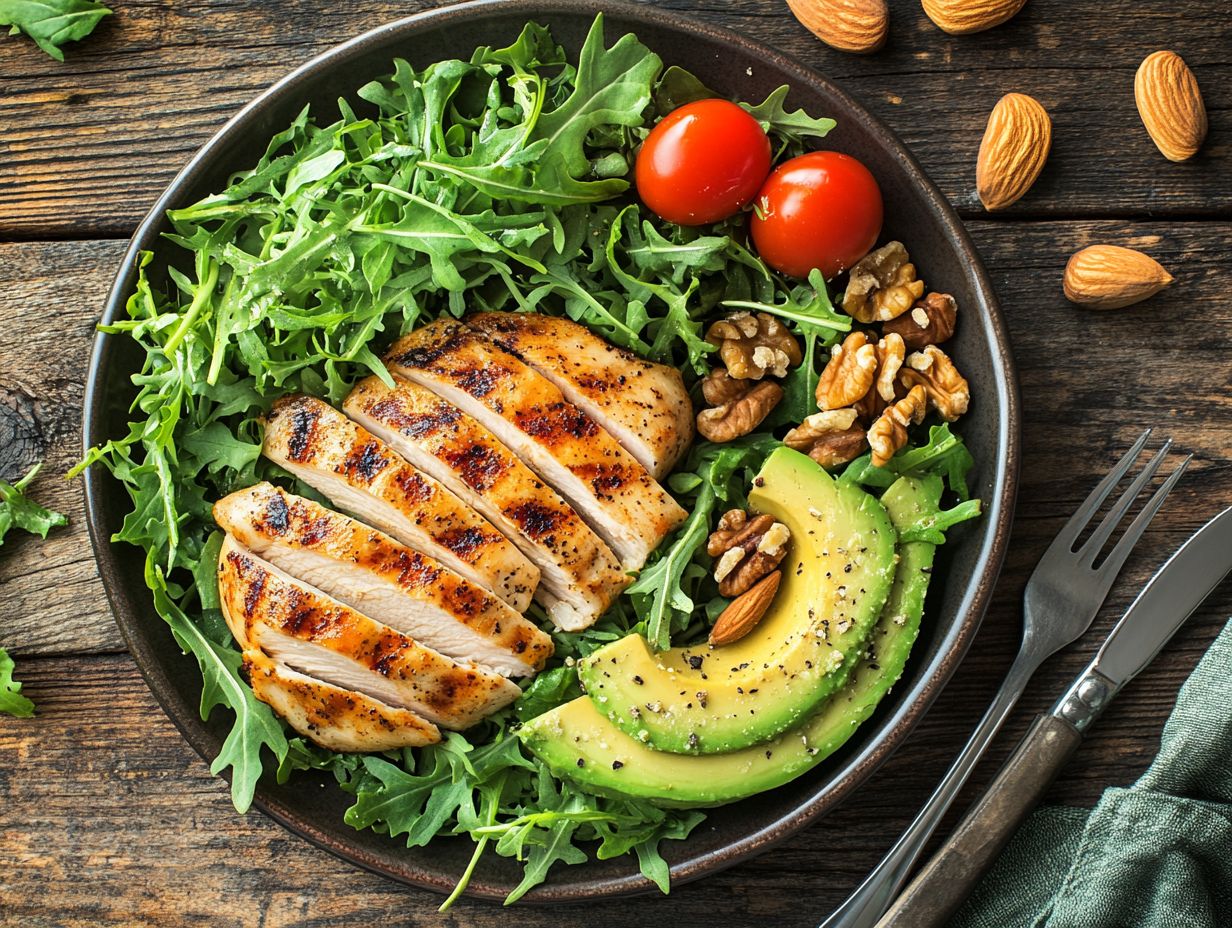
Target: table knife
1176,590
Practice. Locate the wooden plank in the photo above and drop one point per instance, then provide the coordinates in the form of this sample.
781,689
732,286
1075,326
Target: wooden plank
88,144
109,818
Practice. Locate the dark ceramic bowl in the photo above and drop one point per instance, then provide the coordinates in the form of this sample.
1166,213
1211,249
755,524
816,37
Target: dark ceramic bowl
916,213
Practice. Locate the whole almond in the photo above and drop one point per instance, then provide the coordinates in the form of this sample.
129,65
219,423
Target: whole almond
1170,105
1015,146
1109,277
745,611
960,17
858,26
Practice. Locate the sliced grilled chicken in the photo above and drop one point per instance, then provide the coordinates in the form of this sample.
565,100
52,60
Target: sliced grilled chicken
643,405
579,575
609,489
337,719
300,626
364,568
363,476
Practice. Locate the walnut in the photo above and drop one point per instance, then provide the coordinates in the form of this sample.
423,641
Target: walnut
720,387
882,286
754,346
746,549
947,390
849,374
930,322
889,432
829,438
890,355
740,416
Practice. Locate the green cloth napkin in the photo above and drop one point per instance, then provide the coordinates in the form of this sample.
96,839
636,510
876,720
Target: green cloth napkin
1155,855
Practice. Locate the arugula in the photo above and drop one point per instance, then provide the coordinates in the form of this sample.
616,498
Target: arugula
944,454
18,511
51,23
496,183
11,700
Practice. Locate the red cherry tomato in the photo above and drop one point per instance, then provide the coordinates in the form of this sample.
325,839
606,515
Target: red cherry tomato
703,162
820,210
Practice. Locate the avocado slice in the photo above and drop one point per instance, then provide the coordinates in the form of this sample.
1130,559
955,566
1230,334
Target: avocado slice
836,577
578,742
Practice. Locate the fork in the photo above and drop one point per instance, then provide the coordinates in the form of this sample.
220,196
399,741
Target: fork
1061,600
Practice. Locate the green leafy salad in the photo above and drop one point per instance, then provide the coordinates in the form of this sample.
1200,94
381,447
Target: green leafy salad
498,183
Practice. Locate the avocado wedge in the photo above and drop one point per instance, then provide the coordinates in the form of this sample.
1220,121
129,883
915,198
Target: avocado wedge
579,743
836,577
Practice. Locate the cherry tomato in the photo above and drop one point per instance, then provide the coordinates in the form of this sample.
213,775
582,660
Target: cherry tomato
819,210
703,162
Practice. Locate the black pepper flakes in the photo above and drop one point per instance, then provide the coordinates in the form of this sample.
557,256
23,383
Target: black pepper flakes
695,661
617,764
638,680
581,762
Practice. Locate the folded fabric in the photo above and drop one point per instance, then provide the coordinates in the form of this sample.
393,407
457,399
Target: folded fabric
1155,855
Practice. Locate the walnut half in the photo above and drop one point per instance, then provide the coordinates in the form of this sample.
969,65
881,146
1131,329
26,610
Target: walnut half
753,346
948,391
849,374
930,322
829,438
746,549
739,416
882,285
889,433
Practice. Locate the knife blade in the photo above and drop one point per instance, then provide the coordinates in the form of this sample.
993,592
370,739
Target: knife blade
1171,596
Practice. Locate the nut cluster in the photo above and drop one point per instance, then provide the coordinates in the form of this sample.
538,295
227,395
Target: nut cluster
871,391
746,548
753,348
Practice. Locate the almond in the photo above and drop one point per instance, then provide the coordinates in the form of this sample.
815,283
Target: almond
858,26
1109,277
960,17
745,611
1170,105
1015,147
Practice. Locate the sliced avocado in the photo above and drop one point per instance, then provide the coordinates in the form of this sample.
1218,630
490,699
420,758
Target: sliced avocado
836,577
578,742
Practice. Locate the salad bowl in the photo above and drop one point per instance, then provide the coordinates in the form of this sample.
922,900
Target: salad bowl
916,213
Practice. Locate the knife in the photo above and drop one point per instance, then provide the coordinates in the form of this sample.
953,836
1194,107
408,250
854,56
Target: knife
1175,592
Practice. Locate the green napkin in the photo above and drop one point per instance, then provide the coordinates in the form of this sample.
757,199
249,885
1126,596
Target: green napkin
1155,855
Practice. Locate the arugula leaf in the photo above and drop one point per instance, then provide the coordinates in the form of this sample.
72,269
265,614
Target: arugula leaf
790,127
944,455
547,691
18,511
51,23
11,700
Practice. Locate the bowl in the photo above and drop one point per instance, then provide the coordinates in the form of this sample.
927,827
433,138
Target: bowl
916,213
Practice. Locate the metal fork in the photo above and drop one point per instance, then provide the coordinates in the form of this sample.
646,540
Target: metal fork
1061,600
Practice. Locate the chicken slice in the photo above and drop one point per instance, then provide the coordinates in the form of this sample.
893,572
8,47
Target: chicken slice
320,637
525,411
363,476
579,575
368,570
643,405
334,718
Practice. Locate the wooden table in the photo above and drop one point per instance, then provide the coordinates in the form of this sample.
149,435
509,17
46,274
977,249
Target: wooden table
108,817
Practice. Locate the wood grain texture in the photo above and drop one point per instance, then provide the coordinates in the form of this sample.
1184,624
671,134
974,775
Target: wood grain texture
113,819
88,144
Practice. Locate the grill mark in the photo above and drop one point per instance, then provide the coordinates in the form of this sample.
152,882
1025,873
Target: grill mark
558,423
479,466
466,543
365,461
276,517
605,479
303,426
426,356
536,519
385,652
415,489
480,381
392,411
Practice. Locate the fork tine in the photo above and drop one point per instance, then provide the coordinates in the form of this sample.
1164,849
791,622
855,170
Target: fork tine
1073,528
1095,543
1111,566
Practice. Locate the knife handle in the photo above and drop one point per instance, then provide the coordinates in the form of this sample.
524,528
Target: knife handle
945,882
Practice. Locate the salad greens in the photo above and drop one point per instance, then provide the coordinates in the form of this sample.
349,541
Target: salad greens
495,183
17,510
51,23
11,700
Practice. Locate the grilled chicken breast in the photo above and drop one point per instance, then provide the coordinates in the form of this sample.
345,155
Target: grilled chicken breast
319,637
580,576
366,569
362,475
643,405
337,719
607,487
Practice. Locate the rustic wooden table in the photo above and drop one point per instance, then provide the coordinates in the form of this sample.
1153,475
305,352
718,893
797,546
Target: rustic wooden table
108,817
